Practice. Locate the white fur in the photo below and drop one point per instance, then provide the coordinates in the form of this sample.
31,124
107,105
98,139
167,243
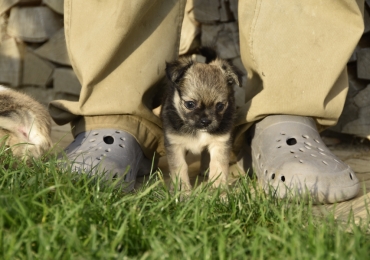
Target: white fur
2,88
35,136
197,143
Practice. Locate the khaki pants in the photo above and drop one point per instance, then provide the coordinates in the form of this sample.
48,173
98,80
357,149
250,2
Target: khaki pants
295,53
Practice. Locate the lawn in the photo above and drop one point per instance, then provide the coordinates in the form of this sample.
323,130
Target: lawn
49,213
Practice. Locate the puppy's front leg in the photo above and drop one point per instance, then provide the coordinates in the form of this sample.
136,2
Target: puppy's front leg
219,165
178,166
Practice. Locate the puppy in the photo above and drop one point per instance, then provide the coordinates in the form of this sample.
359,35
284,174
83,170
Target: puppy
198,114
25,125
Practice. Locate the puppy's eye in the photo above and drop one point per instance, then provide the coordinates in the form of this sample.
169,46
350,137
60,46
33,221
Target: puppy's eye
220,106
189,105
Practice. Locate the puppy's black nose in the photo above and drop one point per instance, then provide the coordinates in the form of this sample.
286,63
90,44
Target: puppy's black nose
205,121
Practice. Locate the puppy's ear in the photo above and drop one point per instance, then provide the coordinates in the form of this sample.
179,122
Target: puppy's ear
175,70
209,53
231,74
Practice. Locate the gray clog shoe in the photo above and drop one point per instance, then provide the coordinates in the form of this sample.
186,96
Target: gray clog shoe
290,158
113,153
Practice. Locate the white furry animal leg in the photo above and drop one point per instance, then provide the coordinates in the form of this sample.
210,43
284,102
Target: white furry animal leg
178,167
219,165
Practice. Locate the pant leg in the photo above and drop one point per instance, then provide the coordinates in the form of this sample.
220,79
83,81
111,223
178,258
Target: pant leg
118,51
295,53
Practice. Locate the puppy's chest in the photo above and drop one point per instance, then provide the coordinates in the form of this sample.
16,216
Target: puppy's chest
197,143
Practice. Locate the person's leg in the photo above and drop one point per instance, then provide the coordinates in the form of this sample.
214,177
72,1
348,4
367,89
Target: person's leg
118,51
295,54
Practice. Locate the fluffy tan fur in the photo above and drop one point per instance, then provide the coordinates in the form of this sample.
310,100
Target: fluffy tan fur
25,125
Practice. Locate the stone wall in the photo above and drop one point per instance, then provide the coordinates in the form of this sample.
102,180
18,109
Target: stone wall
33,54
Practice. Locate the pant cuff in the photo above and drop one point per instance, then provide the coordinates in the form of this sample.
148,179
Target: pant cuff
148,135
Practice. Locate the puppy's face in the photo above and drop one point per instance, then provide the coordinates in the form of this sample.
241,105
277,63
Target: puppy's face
202,97
204,94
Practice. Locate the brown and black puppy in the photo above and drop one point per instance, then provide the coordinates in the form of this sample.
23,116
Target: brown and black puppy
25,125
198,113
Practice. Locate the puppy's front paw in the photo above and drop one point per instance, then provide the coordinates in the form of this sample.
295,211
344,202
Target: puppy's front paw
181,186
218,180
183,191
220,185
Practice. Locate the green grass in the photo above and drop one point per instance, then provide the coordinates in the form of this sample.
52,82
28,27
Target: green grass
48,213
